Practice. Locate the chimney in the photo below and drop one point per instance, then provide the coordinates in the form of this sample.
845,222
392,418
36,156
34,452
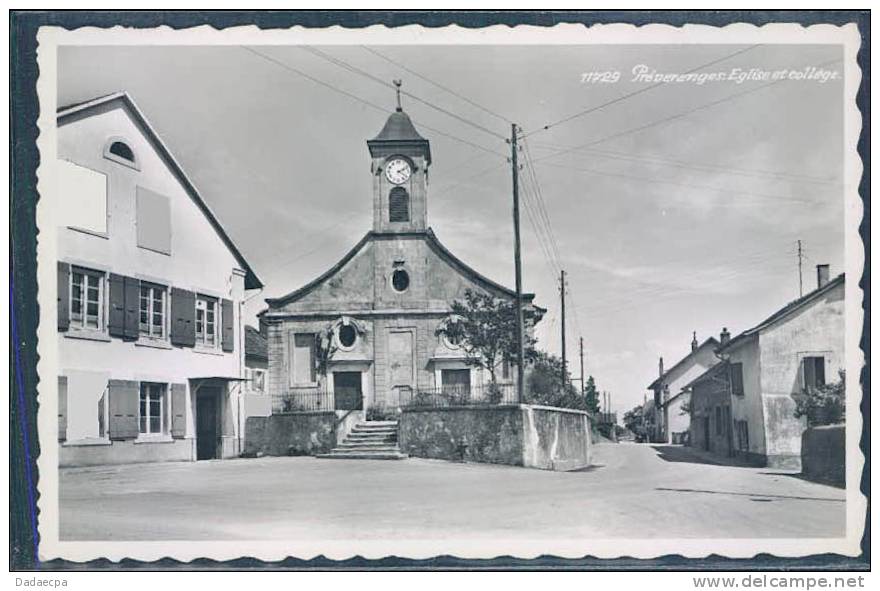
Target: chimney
725,336
661,366
822,274
694,343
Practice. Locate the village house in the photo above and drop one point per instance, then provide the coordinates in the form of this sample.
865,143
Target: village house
150,346
257,402
369,334
671,399
744,406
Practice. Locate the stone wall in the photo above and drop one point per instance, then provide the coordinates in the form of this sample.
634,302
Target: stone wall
126,452
517,435
297,433
823,454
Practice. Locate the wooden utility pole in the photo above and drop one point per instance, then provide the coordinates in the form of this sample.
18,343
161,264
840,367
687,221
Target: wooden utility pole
583,377
800,269
562,326
520,365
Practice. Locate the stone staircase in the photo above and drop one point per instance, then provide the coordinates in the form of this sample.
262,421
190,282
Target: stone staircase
369,440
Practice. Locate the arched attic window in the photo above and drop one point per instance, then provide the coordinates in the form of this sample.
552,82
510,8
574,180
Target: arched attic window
398,205
119,151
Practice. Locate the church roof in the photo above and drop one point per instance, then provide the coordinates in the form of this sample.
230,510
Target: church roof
399,132
435,245
399,127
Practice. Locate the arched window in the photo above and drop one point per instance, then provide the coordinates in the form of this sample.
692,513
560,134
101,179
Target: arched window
398,205
119,151
122,150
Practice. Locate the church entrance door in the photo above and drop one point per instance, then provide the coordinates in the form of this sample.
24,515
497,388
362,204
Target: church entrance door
347,390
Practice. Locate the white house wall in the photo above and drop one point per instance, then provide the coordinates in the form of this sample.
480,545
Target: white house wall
200,261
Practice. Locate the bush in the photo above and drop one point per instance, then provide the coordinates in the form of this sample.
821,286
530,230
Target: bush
381,414
825,405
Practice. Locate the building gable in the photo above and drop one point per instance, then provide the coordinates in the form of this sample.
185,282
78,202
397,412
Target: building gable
114,120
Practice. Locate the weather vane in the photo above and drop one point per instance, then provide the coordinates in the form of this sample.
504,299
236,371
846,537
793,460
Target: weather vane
398,84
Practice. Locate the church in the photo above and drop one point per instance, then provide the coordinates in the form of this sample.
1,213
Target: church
368,334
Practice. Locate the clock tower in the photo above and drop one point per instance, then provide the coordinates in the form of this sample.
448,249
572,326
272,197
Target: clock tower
400,160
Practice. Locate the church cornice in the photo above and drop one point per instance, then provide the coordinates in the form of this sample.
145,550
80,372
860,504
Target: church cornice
431,239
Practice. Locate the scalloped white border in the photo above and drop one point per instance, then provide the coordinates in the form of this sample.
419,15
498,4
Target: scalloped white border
49,38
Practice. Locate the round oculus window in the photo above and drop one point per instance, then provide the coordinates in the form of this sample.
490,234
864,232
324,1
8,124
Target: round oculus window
400,280
347,336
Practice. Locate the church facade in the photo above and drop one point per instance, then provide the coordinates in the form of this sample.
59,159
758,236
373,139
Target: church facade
369,332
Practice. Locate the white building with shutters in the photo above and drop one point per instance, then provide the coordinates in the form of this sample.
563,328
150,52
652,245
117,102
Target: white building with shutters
150,338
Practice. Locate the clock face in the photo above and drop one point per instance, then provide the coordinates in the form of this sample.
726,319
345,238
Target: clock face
398,171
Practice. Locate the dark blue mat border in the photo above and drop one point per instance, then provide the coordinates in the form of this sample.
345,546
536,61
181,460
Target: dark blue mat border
24,312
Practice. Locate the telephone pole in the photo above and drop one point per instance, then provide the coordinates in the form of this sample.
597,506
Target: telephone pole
583,377
800,269
520,368
562,325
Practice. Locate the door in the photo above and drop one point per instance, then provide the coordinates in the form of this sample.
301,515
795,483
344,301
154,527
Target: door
347,390
206,427
400,353
707,434
456,382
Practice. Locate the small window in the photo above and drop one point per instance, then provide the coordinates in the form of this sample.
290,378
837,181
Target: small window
153,300
347,336
398,205
736,379
400,280
83,198
87,299
206,321
122,150
153,221
119,151
259,380
814,372
151,412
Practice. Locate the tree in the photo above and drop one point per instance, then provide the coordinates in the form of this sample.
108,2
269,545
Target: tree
591,394
485,329
545,385
634,419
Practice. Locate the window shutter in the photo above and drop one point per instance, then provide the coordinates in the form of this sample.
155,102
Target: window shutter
178,410
116,316
63,296
183,314
123,409
132,307
62,408
227,316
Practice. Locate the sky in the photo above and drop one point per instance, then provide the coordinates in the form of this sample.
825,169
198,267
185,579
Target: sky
672,211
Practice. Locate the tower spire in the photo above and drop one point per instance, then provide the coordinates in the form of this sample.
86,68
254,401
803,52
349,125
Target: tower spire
398,84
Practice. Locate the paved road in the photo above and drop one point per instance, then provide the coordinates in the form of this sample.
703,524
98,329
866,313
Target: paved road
637,491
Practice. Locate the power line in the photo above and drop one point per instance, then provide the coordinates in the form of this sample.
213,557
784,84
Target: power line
755,173
345,65
437,84
674,117
678,184
359,99
634,93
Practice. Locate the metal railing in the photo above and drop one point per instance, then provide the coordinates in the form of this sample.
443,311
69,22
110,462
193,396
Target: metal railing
459,396
303,399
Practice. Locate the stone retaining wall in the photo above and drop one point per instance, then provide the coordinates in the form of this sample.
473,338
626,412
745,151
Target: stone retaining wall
518,435
298,433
